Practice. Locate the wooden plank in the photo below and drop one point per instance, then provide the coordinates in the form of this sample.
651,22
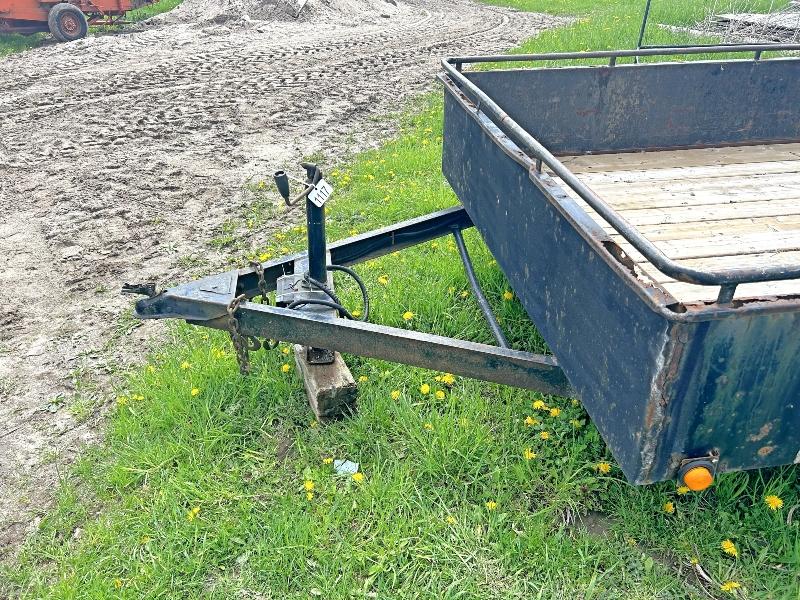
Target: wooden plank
686,292
588,163
331,389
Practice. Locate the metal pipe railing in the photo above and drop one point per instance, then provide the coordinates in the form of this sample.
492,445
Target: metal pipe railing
541,155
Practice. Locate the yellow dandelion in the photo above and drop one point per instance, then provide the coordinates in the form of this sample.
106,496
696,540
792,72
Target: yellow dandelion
358,477
428,426
683,490
508,296
576,423
544,435
264,257
434,245
363,379
285,350
539,405
327,460
285,368
425,388
122,400
451,520
529,454
669,507
309,496
530,421
395,394
448,379
195,391
356,313
464,294
729,548
774,502
185,365
308,485
118,583
408,315
730,586
192,514
554,412
151,369
491,505
603,467
451,290
574,402
383,280
439,395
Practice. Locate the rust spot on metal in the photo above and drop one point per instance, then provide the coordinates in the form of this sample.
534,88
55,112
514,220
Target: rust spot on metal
762,433
765,450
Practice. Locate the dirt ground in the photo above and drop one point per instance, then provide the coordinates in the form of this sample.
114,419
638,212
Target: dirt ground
121,154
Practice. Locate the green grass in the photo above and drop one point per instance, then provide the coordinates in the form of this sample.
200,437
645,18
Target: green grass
202,496
13,42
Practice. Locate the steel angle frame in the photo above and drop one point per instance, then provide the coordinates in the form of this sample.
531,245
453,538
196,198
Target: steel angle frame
205,302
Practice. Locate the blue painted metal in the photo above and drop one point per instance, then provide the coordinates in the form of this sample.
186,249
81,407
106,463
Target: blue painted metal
663,382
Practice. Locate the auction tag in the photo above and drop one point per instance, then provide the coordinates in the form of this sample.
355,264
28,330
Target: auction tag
321,192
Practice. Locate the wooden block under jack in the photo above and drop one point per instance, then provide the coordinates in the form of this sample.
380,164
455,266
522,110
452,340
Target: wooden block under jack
331,389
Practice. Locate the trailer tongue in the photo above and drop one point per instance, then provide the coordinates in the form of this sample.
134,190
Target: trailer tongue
680,384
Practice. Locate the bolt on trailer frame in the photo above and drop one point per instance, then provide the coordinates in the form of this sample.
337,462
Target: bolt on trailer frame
641,362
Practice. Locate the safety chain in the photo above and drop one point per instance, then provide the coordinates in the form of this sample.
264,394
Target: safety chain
262,283
240,343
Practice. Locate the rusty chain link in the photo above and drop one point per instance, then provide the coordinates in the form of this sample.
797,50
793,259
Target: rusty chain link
262,283
240,343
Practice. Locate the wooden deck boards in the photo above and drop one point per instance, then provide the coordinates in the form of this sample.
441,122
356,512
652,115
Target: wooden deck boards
712,208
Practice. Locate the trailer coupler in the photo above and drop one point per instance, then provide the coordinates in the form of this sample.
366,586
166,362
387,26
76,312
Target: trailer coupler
216,300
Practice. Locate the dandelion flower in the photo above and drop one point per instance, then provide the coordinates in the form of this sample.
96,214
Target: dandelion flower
327,460
264,257
408,315
507,296
491,505
358,477
363,379
529,454
395,394
383,280
285,368
428,426
544,435
576,423
185,365
530,421
356,313
439,395
122,400
451,520
773,502
554,412
669,508
425,388
464,294
603,467
192,514
728,547
195,391
118,583
285,350
309,496
539,405
308,485
448,379
730,586
151,369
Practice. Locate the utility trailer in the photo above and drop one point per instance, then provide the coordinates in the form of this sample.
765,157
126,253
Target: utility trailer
67,21
658,255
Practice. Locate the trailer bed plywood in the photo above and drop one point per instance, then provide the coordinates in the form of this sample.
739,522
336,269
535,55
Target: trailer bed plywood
731,207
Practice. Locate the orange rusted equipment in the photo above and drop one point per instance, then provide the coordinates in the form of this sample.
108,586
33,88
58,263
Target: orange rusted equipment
67,21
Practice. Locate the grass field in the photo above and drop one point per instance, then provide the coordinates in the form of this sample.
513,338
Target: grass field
215,486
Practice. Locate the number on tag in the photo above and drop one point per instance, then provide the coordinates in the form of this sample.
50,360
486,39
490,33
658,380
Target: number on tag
321,192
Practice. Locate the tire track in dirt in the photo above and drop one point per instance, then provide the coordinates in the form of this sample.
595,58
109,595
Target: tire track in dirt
121,154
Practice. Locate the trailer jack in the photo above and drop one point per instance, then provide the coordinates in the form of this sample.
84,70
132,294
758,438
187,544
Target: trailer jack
308,313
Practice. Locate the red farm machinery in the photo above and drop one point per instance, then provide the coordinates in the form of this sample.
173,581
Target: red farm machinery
67,21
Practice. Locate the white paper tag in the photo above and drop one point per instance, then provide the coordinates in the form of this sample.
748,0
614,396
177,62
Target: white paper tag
321,192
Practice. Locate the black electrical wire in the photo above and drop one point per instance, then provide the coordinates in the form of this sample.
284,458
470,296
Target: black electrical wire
361,286
334,298
342,310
